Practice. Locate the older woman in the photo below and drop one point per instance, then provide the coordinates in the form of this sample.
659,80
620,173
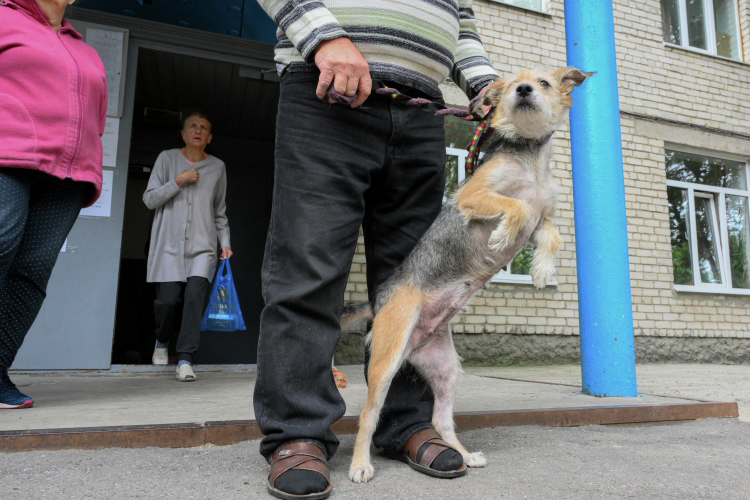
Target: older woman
53,102
187,188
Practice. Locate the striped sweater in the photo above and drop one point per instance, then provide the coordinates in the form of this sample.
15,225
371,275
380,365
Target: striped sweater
418,43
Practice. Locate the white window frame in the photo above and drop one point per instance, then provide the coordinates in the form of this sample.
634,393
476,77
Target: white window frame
709,25
502,276
509,2
719,223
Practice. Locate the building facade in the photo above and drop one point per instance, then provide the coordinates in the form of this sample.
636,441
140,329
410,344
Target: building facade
684,80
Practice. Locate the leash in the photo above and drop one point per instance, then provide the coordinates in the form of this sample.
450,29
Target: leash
482,132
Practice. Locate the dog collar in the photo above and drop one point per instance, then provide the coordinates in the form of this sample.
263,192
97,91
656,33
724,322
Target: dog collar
544,140
482,133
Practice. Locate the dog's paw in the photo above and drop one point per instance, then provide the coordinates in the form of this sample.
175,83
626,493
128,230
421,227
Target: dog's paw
542,272
517,216
476,459
513,219
499,238
361,473
467,212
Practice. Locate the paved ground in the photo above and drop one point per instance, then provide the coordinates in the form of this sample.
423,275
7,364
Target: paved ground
697,381
93,400
704,459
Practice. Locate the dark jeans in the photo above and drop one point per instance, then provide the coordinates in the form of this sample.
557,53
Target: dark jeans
37,212
169,296
381,166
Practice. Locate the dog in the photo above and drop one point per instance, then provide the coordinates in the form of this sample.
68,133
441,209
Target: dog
509,201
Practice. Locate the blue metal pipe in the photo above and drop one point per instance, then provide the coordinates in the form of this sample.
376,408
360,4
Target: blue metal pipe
604,298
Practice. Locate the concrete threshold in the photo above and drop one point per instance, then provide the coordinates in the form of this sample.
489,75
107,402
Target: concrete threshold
186,435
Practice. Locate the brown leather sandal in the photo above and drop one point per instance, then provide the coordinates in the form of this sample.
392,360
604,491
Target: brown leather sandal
305,456
435,448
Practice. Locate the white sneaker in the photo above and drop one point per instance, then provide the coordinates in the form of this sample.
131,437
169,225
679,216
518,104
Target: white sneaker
185,373
160,356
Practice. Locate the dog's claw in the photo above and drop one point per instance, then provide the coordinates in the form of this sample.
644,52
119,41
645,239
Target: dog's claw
361,473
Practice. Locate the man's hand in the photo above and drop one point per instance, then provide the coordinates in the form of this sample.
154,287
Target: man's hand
186,176
340,62
226,252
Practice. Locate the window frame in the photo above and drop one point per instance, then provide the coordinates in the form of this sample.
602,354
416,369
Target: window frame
709,26
543,9
503,276
718,194
715,229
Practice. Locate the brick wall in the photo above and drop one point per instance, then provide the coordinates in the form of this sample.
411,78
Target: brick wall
657,81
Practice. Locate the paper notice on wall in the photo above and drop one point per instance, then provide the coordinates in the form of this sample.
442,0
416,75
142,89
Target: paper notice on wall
65,246
103,206
109,142
109,45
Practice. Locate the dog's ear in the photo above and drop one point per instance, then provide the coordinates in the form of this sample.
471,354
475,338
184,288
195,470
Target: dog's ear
489,97
570,77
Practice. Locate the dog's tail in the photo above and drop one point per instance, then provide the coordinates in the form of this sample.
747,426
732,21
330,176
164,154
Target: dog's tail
354,315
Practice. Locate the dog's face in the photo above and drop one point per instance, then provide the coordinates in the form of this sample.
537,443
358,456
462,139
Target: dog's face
531,103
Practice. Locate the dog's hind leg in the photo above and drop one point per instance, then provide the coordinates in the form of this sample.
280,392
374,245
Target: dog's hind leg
391,329
438,363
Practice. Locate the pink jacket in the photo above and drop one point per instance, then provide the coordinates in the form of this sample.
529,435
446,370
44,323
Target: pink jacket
53,97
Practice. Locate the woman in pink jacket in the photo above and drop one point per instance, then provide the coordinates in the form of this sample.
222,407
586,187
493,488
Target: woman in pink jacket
53,102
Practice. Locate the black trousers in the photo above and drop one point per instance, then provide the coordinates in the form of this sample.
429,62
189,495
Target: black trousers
381,166
169,296
37,212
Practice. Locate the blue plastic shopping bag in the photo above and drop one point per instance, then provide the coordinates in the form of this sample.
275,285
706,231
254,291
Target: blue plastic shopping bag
223,312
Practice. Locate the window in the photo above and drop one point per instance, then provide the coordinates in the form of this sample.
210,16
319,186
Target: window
537,5
457,135
710,26
709,222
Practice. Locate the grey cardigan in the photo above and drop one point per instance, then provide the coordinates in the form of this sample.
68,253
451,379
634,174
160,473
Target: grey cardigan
188,221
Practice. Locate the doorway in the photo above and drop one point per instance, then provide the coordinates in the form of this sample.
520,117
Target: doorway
242,103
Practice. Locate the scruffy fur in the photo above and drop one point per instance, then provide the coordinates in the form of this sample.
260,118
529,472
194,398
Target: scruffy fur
509,201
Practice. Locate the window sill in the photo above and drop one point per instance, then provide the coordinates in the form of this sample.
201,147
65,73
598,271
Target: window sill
712,291
516,279
528,9
704,53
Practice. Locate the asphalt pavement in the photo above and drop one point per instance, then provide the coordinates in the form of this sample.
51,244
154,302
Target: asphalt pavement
700,459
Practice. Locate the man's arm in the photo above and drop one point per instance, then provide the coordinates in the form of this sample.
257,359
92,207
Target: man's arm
472,70
318,36
306,23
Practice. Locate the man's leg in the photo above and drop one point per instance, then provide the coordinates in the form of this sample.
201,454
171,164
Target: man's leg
325,155
192,315
168,300
404,201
